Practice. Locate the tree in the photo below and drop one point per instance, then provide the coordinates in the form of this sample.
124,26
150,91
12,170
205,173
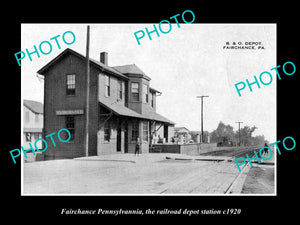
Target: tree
223,134
246,135
259,140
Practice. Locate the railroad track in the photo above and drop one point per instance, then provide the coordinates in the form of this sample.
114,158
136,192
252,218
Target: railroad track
236,182
249,151
240,175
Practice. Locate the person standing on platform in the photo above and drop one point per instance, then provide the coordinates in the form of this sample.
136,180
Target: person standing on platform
137,147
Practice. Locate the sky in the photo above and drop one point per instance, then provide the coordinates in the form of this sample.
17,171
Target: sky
186,62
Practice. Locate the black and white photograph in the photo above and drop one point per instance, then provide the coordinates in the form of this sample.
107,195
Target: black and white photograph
116,112
137,112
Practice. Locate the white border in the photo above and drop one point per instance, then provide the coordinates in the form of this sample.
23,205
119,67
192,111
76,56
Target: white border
190,195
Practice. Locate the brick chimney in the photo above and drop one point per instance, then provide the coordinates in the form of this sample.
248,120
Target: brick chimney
103,57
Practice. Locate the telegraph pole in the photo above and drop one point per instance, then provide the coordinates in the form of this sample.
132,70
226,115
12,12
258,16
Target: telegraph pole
202,96
239,133
87,91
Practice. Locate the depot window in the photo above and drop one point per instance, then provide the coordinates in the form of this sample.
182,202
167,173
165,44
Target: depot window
145,131
107,132
152,99
28,137
134,91
70,84
120,90
107,86
135,131
145,93
70,125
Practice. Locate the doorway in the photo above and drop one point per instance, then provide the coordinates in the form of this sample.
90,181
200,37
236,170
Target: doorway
119,139
166,133
126,137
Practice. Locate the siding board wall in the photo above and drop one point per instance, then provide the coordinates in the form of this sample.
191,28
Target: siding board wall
55,98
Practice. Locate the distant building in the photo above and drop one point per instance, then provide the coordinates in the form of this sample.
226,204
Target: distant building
122,107
182,135
181,130
32,123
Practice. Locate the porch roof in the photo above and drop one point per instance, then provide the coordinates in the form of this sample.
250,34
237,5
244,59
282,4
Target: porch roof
152,115
119,109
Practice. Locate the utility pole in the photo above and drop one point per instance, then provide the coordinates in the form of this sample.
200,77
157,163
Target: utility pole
202,96
87,91
239,133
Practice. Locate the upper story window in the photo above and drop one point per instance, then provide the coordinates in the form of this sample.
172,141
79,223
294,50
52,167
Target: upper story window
120,90
145,93
70,84
152,100
135,91
107,86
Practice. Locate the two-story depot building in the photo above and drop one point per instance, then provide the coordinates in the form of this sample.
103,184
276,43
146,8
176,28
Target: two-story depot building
122,107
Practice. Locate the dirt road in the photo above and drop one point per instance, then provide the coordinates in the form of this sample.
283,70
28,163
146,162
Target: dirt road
127,174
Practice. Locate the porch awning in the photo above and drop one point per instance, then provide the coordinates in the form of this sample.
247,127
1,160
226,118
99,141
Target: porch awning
151,115
119,109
